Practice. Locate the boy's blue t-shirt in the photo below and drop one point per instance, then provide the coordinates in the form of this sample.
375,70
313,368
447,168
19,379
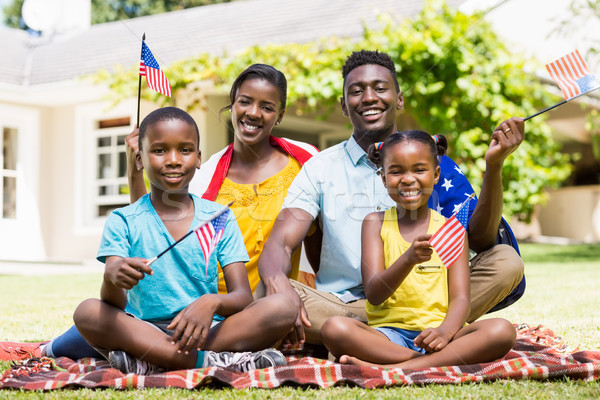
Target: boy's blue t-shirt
179,275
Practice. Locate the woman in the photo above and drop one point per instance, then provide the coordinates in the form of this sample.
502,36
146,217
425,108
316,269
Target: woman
256,170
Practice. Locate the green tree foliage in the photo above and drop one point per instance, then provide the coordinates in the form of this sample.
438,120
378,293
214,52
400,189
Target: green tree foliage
458,79
12,14
114,10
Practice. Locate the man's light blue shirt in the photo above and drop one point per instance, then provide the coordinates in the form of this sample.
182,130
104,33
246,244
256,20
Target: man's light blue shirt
340,186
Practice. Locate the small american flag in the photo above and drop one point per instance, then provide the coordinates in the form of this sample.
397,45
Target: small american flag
572,75
209,235
449,241
155,77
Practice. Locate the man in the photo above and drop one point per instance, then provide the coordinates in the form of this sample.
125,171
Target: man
339,187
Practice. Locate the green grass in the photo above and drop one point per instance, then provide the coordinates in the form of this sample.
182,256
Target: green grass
562,294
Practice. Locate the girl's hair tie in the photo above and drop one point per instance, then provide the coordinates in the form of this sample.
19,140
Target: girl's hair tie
378,146
436,139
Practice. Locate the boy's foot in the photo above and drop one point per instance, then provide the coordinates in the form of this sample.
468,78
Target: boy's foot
126,363
245,361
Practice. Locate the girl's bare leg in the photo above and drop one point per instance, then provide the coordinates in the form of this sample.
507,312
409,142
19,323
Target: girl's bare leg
347,336
482,341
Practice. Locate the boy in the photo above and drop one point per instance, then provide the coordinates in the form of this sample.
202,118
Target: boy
173,311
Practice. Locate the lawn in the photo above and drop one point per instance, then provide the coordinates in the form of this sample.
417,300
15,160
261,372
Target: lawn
562,294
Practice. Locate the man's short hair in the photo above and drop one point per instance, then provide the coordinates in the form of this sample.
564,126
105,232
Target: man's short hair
365,57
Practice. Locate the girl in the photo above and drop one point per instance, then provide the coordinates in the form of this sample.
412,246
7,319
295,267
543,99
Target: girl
416,308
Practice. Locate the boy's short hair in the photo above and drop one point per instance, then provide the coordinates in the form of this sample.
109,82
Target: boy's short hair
365,57
167,114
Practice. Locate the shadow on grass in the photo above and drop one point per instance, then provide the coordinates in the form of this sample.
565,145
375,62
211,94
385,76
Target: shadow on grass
559,253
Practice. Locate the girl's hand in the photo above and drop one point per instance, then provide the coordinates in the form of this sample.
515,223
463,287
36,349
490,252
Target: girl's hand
433,339
192,324
125,273
420,251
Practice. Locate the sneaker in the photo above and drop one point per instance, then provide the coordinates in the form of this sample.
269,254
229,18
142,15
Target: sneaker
17,351
127,364
244,361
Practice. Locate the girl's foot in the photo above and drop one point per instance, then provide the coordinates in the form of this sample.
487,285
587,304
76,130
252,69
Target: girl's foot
356,361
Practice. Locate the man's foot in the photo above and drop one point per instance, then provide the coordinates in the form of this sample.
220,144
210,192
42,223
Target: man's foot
128,364
245,361
17,351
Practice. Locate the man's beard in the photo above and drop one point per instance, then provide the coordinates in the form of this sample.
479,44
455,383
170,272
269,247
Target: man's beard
377,135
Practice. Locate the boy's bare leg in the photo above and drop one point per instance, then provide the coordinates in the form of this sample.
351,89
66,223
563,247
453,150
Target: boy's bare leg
482,341
260,325
108,327
347,336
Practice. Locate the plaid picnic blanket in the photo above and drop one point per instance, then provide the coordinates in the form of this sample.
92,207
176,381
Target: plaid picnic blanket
537,354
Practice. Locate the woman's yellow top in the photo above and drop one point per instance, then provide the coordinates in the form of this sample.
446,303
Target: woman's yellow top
256,207
421,300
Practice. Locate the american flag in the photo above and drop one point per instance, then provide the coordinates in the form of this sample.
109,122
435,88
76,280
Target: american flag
572,75
154,75
449,241
209,235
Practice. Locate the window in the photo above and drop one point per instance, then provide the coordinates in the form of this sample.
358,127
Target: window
8,173
110,189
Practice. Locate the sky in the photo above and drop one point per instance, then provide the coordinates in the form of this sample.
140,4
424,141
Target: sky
530,26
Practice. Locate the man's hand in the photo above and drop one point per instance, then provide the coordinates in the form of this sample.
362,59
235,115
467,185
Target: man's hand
125,273
282,285
505,140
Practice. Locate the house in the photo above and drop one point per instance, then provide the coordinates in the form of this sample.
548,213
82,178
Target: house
63,159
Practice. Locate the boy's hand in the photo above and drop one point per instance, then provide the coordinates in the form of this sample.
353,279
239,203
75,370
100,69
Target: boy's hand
420,250
126,272
192,324
433,339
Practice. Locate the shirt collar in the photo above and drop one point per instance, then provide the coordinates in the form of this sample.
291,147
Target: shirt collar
355,152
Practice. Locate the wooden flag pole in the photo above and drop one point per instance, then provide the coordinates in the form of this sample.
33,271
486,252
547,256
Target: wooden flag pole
214,216
137,124
559,104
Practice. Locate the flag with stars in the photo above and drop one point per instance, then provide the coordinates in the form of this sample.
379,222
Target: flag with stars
572,75
449,240
452,189
155,77
209,235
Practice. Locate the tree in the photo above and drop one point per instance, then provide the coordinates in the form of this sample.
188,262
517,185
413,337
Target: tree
458,79
113,10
